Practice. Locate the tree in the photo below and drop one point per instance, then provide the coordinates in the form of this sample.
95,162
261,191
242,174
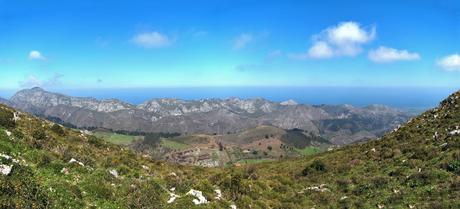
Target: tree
269,148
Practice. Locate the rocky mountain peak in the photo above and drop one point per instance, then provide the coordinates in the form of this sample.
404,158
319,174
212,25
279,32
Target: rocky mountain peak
289,102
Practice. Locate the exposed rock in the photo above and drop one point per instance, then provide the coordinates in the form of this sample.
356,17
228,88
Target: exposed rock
199,195
76,161
5,169
218,194
341,124
320,188
9,158
16,117
114,173
289,102
65,171
172,197
454,132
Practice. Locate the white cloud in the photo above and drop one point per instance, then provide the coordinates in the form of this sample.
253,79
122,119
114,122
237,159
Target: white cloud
320,50
31,81
36,55
34,81
386,55
343,39
450,62
242,41
152,40
346,33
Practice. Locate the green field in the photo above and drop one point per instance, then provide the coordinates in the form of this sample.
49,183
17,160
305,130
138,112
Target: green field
115,138
308,150
173,144
254,161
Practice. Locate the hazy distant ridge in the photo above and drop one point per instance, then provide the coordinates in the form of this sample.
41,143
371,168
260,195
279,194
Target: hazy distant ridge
339,123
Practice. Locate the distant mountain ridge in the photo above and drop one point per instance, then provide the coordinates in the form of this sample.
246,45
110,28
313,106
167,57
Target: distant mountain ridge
339,123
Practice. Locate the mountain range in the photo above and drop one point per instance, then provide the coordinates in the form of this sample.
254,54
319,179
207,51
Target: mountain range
417,165
340,124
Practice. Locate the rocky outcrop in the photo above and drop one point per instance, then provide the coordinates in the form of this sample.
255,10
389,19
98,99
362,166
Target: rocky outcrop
211,115
41,100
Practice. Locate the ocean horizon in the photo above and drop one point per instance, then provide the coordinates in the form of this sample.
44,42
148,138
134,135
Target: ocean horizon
398,97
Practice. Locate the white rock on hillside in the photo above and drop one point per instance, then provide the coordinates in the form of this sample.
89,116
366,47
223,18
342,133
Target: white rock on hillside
114,173
218,194
9,158
199,195
454,132
16,117
76,161
5,169
172,197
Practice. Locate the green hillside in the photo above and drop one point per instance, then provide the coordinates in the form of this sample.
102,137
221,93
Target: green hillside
417,166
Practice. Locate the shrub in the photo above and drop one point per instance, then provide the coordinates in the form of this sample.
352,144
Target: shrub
57,129
137,198
20,190
39,134
317,166
97,142
6,119
454,167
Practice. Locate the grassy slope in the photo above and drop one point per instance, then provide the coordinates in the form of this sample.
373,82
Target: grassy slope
308,150
403,169
115,138
173,144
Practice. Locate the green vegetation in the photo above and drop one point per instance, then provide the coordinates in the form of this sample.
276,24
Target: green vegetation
115,138
300,139
255,161
416,166
57,129
173,144
308,150
6,119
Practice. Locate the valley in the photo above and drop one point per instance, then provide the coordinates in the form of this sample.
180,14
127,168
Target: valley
214,132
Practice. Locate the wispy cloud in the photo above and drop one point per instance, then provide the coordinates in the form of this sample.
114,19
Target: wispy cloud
36,55
387,55
343,39
199,33
242,41
450,62
34,81
320,49
275,54
152,39
102,42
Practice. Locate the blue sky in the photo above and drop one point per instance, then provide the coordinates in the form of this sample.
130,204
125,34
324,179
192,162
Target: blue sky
136,44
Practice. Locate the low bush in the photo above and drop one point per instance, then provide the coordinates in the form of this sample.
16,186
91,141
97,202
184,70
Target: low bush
317,166
6,119
56,128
